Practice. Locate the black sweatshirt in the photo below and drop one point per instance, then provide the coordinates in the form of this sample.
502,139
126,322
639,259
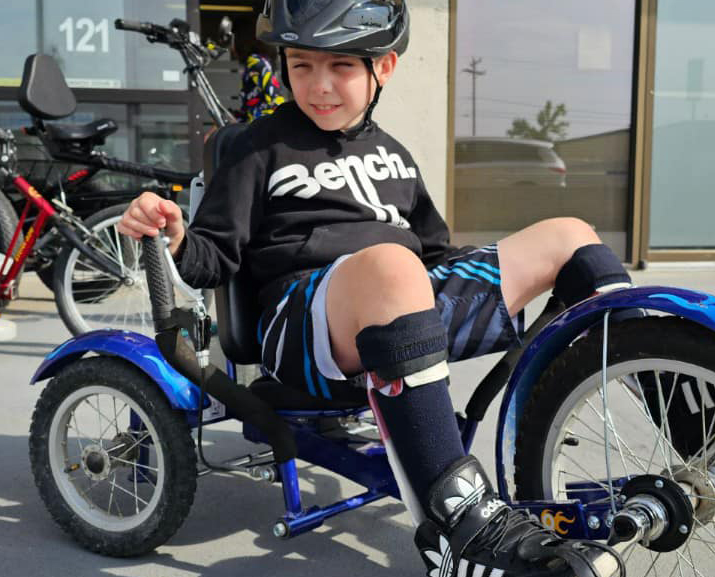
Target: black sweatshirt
289,197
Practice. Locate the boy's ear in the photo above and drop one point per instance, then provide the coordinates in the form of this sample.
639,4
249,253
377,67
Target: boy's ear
385,67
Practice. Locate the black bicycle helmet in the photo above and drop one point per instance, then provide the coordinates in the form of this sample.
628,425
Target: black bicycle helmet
363,28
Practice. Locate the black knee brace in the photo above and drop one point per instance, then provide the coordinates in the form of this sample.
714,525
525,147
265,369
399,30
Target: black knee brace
590,268
408,344
410,353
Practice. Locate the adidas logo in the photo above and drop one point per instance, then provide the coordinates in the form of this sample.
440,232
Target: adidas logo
468,493
356,173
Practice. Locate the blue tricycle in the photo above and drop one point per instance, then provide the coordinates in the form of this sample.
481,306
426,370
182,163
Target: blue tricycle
605,429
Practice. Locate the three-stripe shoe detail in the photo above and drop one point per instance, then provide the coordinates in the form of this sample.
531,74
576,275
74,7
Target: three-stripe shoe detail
444,566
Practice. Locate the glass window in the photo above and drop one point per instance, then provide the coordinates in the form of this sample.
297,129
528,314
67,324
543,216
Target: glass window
682,169
542,116
18,29
82,38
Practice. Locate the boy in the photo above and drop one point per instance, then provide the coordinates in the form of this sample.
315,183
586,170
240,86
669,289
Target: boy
357,276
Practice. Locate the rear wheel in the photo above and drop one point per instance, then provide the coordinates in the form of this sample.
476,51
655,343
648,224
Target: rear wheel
660,415
114,463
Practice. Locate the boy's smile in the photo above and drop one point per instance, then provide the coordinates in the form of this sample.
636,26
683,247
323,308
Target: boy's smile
334,90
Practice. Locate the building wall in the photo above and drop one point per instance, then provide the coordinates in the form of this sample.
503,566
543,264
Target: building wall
413,106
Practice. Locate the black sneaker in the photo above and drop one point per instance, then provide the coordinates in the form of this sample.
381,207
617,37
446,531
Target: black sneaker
472,533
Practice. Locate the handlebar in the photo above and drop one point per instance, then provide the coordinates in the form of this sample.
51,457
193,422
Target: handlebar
196,55
161,290
132,25
147,28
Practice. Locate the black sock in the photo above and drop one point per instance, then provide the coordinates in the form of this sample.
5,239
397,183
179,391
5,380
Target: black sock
406,360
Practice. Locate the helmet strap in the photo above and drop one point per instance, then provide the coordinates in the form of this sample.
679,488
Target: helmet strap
367,118
368,113
284,68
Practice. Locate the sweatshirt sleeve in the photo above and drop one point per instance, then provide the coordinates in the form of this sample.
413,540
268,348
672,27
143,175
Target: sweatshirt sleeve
226,219
429,226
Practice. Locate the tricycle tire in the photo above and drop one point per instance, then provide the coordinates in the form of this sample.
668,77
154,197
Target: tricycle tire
145,449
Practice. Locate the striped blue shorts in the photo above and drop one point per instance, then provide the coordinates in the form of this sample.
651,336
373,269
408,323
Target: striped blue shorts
294,337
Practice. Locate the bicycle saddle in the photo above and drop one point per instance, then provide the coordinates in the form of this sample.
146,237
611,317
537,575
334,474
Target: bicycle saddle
95,131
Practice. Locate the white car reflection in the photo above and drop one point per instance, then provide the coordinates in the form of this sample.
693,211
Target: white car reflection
506,162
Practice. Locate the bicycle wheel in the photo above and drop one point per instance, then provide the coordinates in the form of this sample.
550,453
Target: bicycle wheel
88,298
114,463
661,421
8,224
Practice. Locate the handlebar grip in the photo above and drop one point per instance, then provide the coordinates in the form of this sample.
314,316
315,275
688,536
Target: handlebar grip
132,25
161,290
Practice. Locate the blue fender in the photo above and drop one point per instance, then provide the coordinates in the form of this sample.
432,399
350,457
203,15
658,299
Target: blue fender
555,337
138,349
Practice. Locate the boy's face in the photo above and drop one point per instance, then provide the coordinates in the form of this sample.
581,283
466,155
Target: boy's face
334,90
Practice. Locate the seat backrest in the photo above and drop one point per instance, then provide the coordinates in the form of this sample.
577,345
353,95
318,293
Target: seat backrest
237,307
43,92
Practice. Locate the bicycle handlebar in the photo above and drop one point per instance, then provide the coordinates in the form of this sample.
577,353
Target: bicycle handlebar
146,28
161,291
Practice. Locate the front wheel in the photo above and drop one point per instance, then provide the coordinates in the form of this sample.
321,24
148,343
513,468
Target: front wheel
659,418
114,463
88,297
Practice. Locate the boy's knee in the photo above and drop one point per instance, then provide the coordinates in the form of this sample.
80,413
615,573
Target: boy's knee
573,232
391,265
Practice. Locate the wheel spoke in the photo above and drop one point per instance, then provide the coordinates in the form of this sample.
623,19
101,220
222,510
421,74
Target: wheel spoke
136,497
111,493
652,565
136,491
632,457
80,434
646,412
138,441
135,464
587,479
618,438
114,420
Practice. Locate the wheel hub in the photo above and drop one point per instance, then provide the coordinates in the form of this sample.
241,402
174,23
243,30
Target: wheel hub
95,462
656,513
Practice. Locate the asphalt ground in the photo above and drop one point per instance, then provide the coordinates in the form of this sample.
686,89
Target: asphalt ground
228,531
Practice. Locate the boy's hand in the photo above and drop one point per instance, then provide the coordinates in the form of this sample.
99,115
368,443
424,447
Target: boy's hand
147,214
